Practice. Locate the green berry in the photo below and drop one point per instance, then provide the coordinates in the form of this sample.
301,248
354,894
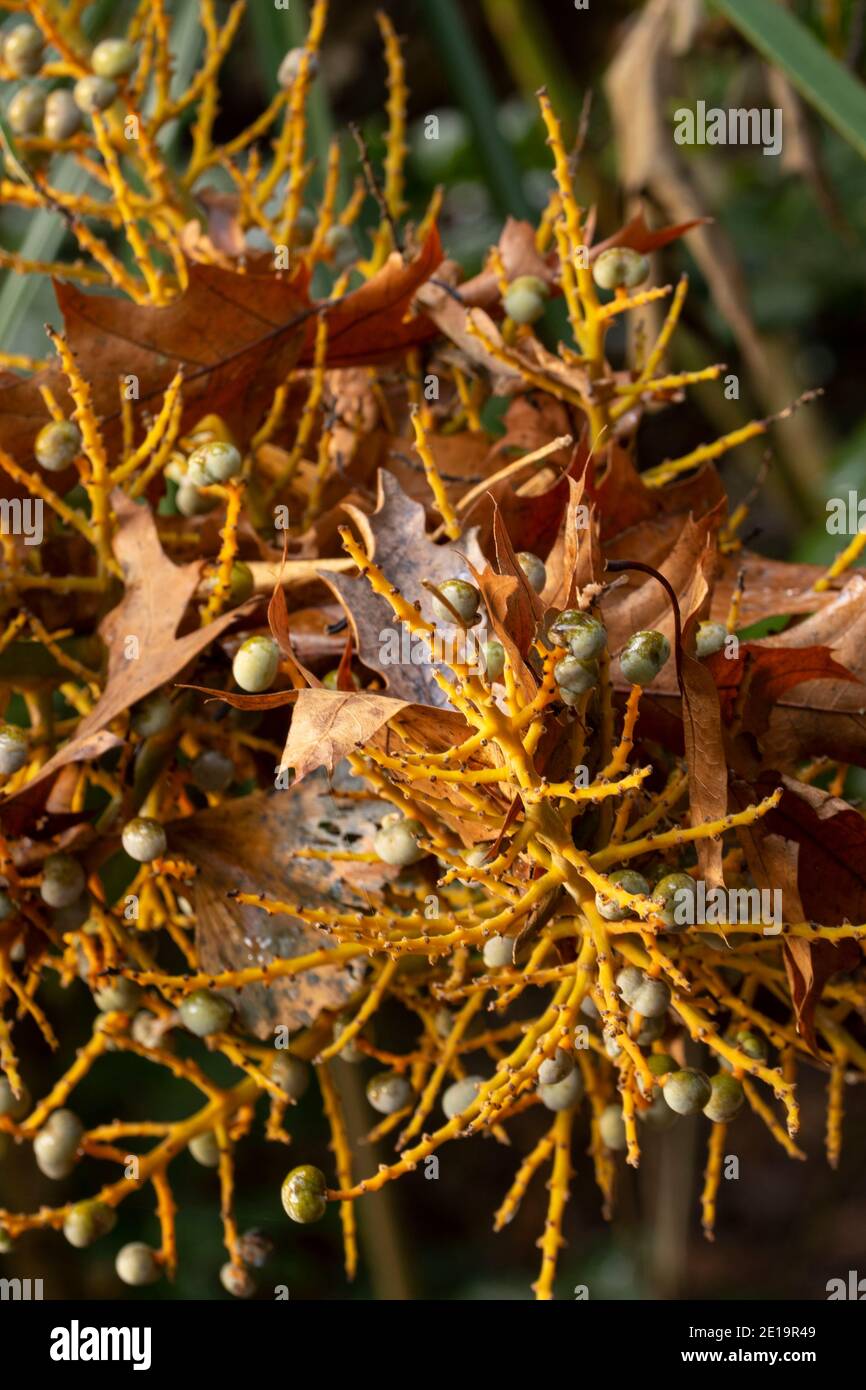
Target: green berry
15,1107
652,999
524,299
290,66
643,656
556,1068
630,882
611,1128
62,116
726,1098
331,680
204,1013
709,638
388,1092
152,715
660,1063
205,1149
650,1029
237,1281
303,227
396,842
584,635
303,1194
23,47
533,568
676,893
574,676
26,111
57,445
55,1147
498,952
628,982
217,461
290,1073
143,839
212,771
137,1264
687,1091
350,1052
14,748
340,244
118,995
493,654
460,1095
7,906
752,1044
94,93
562,1095
113,58
620,268
87,1221
63,880
463,598
190,502
256,664
658,1114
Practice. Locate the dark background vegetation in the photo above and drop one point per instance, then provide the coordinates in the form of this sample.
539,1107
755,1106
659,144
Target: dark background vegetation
784,1227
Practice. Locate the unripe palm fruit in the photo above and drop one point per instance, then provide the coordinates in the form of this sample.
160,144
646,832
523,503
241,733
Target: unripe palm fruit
303,1194
687,1091
389,1092
143,839
14,747
190,502
584,635
256,664
396,841
87,1221
237,1281
652,999
661,1063
242,582
620,268
217,461
331,680
556,1068
350,1052
204,1013
118,994
524,299
152,715
677,894
63,880
205,1149
628,982
62,116
113,58
137,1264
15,1107
94,93
463,598
291,66
658,1114
631,882
291,1074
752,1044
533,568
340,243
709,638
498,952
26,111
643,656
460,1095
57,445
493,653
562,1095
650,1028
23,47
726,1098
575,676
212,771
7,906
611,1128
